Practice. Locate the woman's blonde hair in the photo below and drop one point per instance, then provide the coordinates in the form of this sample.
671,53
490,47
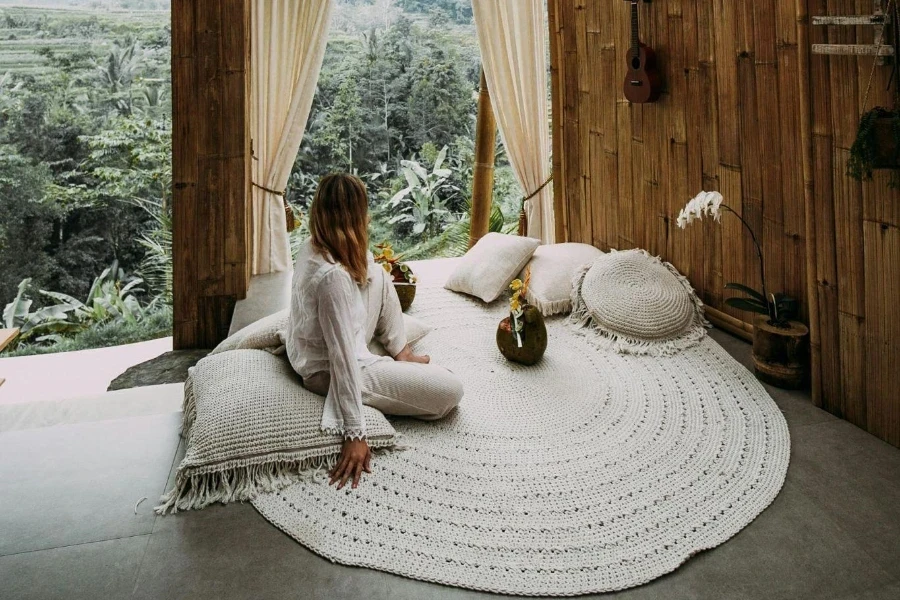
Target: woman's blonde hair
339,223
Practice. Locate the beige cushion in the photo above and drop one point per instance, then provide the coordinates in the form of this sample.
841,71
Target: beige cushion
486,270
251,427
268,334
638,304
553,268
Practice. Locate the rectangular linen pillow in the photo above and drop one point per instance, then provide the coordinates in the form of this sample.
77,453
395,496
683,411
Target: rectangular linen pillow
269,334
486,269
250,427
553,268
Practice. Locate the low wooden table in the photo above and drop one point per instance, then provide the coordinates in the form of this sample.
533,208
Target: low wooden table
6,338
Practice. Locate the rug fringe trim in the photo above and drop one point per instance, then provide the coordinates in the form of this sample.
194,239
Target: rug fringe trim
622,344
240,481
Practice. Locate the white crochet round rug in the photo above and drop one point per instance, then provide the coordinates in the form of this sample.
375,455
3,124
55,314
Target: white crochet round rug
589,472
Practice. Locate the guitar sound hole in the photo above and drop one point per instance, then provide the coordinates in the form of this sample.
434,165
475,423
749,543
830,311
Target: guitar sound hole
636,63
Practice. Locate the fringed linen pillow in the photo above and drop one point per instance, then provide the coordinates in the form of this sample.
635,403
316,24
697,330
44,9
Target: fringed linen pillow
638,304
488,268
250,427
553,267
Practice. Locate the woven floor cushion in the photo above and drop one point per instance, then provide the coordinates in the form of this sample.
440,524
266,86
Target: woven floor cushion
250,427
552,269
638,304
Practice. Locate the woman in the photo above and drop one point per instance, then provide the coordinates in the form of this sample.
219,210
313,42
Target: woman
340,301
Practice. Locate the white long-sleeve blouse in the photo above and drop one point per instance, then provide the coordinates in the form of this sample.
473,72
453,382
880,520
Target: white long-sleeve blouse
327,332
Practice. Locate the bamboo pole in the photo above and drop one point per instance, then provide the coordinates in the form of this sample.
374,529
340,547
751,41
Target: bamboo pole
483,174
809,199
728,323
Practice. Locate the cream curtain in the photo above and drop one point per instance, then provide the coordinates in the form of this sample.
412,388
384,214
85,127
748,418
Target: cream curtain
288,44
513,40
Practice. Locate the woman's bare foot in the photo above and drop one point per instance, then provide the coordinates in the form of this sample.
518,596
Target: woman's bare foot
407,355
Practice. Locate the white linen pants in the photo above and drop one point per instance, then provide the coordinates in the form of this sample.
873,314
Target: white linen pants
396,388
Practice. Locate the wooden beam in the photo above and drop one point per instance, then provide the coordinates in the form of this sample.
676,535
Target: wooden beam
210,166
853,49
483,174
853,20
7,336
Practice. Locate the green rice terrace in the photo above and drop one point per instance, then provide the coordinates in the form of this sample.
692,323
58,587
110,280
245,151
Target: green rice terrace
27,33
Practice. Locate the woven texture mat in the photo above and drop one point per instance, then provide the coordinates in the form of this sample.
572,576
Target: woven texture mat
589,472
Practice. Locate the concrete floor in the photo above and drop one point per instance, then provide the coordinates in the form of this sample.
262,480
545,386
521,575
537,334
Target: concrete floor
69,528
64,375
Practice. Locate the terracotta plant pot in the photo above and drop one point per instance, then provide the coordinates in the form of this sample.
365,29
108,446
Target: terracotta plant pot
534,341
406,292
781,355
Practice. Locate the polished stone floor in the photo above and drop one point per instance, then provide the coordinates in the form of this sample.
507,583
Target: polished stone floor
69,528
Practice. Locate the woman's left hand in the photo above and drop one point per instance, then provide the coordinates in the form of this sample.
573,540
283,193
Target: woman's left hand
355,458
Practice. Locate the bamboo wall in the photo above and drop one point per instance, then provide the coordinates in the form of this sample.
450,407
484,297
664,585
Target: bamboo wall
749,112
210,166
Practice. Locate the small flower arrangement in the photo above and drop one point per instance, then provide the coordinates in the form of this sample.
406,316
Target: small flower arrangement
518,288
779,307
392,264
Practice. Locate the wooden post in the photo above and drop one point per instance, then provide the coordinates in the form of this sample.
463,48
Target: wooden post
483,175
210,167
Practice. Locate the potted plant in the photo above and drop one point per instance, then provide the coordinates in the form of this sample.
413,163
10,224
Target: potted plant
779,342
877,144
402,276
522,336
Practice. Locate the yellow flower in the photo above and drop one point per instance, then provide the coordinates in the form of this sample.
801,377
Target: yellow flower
387,267
514,302
388,253
516,285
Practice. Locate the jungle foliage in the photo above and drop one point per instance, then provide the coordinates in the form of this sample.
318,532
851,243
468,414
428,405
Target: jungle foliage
85,151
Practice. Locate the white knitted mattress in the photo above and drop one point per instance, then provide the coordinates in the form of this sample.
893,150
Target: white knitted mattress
589,472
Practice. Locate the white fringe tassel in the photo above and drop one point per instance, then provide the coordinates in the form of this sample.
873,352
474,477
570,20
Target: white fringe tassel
622,344
197,488
550,308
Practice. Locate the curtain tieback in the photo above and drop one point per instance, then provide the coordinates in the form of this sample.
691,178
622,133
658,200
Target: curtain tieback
537,191
265,189
523,218
290,218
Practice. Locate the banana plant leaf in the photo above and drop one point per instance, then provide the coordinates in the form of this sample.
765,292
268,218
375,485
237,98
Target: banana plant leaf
17,311
63,299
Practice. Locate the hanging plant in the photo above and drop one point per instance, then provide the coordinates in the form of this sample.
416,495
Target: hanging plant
877,145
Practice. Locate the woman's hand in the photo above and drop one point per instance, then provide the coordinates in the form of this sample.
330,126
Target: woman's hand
355,458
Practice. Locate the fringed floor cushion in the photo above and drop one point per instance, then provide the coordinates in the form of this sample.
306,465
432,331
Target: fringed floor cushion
590,472
637,304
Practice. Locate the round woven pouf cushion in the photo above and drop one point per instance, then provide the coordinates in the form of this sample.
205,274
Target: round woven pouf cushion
638,303
589,472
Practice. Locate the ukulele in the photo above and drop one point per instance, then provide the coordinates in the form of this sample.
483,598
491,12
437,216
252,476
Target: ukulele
643,82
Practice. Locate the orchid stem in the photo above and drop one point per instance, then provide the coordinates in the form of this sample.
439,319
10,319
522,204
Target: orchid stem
762,268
